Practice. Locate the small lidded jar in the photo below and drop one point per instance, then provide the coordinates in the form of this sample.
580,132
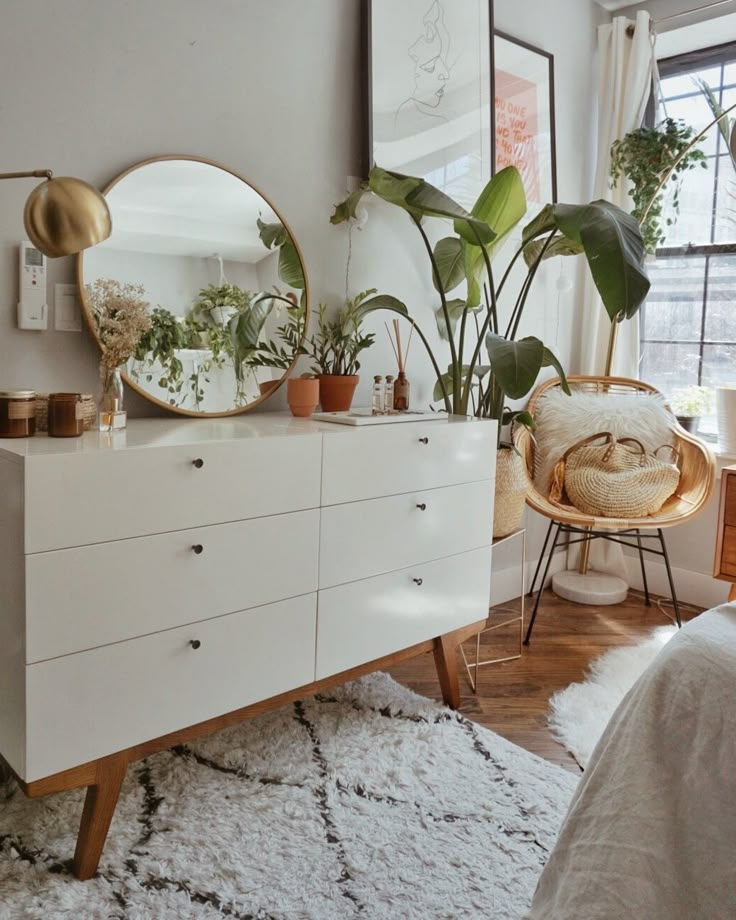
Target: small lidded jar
66,415
17,413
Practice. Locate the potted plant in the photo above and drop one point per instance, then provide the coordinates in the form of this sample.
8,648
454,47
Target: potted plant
221,302
302,394
334,349
689,404
489,363
650,159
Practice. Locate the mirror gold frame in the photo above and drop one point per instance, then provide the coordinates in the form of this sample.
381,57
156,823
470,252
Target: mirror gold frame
91,325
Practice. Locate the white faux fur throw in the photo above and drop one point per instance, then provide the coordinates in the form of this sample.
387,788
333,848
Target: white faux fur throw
564,420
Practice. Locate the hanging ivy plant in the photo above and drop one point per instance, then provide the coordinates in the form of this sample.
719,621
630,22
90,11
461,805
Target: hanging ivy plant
644,157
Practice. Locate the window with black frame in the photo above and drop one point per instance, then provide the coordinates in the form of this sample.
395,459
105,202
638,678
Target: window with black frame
688,324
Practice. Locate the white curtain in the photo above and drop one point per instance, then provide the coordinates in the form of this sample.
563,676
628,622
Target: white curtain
626,68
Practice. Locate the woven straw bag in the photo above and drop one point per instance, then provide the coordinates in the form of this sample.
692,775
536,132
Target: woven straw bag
614,479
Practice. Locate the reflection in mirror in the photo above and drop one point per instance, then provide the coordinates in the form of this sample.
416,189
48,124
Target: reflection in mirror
222,278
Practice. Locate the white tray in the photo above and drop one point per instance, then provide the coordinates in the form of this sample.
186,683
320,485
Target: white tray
364,417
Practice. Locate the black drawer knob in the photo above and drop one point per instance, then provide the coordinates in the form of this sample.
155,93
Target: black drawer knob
198,548
195,644
198,463
422,507
424,440
418,581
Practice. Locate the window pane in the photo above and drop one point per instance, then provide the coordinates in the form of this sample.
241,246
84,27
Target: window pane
725,230
719,365
720,317
674,306
683,84
694,222
694,111
669,367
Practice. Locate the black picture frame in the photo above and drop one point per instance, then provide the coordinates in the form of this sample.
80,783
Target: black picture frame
482,160
537,61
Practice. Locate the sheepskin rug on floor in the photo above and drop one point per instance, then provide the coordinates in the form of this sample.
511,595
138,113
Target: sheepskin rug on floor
370,802
579,713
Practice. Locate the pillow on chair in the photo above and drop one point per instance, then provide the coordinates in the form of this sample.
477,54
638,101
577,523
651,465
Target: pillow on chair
564,420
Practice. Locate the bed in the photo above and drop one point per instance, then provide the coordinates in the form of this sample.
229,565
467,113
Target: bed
651,830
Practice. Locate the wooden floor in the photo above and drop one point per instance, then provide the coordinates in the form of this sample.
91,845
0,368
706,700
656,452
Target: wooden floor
512,697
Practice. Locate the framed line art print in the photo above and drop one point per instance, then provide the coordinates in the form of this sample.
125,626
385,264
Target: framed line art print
524,93
430,91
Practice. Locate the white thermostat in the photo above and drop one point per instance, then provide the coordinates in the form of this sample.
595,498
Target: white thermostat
33,312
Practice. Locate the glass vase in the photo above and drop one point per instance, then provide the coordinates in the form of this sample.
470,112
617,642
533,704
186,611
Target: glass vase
110,413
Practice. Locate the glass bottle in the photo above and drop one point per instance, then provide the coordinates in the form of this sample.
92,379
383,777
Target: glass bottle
110,412
388,395
401,393
65,415
377,397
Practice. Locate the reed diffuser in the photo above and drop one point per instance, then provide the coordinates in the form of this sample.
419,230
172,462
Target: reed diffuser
401,384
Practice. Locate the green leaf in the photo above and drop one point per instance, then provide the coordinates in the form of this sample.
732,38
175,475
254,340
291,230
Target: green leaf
614,249
421,199
543,223
501,205
348,208
560,246
515,365
381,302
549,360
272,235
437,392
291,271
448,254
455,310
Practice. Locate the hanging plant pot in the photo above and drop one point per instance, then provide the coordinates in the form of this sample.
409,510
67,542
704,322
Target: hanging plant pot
336,392
511,490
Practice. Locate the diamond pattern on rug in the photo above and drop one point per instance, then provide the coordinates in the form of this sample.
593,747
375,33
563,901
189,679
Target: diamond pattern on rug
369,801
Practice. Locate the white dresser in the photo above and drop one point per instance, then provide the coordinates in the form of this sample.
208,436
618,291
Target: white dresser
158,578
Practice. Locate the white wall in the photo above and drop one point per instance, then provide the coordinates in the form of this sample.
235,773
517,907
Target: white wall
272,88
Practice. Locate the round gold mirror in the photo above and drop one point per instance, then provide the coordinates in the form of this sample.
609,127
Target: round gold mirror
221,277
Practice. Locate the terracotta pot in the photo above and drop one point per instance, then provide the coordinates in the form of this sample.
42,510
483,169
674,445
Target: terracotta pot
302,395
267,386
511,490
336,392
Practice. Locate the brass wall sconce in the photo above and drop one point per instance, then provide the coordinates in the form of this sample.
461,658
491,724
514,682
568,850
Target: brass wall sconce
63,215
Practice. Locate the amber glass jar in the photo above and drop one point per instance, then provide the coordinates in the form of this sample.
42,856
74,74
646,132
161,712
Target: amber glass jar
66,417
17,413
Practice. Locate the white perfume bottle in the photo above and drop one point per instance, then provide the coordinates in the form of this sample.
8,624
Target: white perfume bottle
377,398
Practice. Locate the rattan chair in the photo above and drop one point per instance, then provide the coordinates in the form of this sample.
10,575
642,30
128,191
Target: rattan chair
697,479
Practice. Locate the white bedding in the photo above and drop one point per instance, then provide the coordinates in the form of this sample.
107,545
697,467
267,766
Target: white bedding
651,830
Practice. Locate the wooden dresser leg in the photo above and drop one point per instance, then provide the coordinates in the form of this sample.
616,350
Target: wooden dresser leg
445,659
99,807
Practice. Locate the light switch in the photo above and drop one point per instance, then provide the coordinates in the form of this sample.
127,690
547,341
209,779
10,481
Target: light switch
67,313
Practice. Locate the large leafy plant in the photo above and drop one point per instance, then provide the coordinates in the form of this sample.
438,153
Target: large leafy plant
489,364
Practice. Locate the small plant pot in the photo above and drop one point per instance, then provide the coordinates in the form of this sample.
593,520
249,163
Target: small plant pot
267,386
689,422
302,394
223,315
336,392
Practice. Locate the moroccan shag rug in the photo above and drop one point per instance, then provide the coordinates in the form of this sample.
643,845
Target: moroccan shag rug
371,802
579,713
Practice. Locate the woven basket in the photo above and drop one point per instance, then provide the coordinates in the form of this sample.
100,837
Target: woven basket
511,490
89,410
617,478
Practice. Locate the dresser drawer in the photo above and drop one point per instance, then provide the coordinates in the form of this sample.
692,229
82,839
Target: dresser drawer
93,595
388,460
368,619
76,499
367,538
88,705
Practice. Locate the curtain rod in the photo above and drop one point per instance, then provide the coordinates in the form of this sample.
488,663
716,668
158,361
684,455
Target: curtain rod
697,9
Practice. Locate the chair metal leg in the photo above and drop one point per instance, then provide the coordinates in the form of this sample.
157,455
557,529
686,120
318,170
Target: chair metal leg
541,586
541,557
647,599
669,576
